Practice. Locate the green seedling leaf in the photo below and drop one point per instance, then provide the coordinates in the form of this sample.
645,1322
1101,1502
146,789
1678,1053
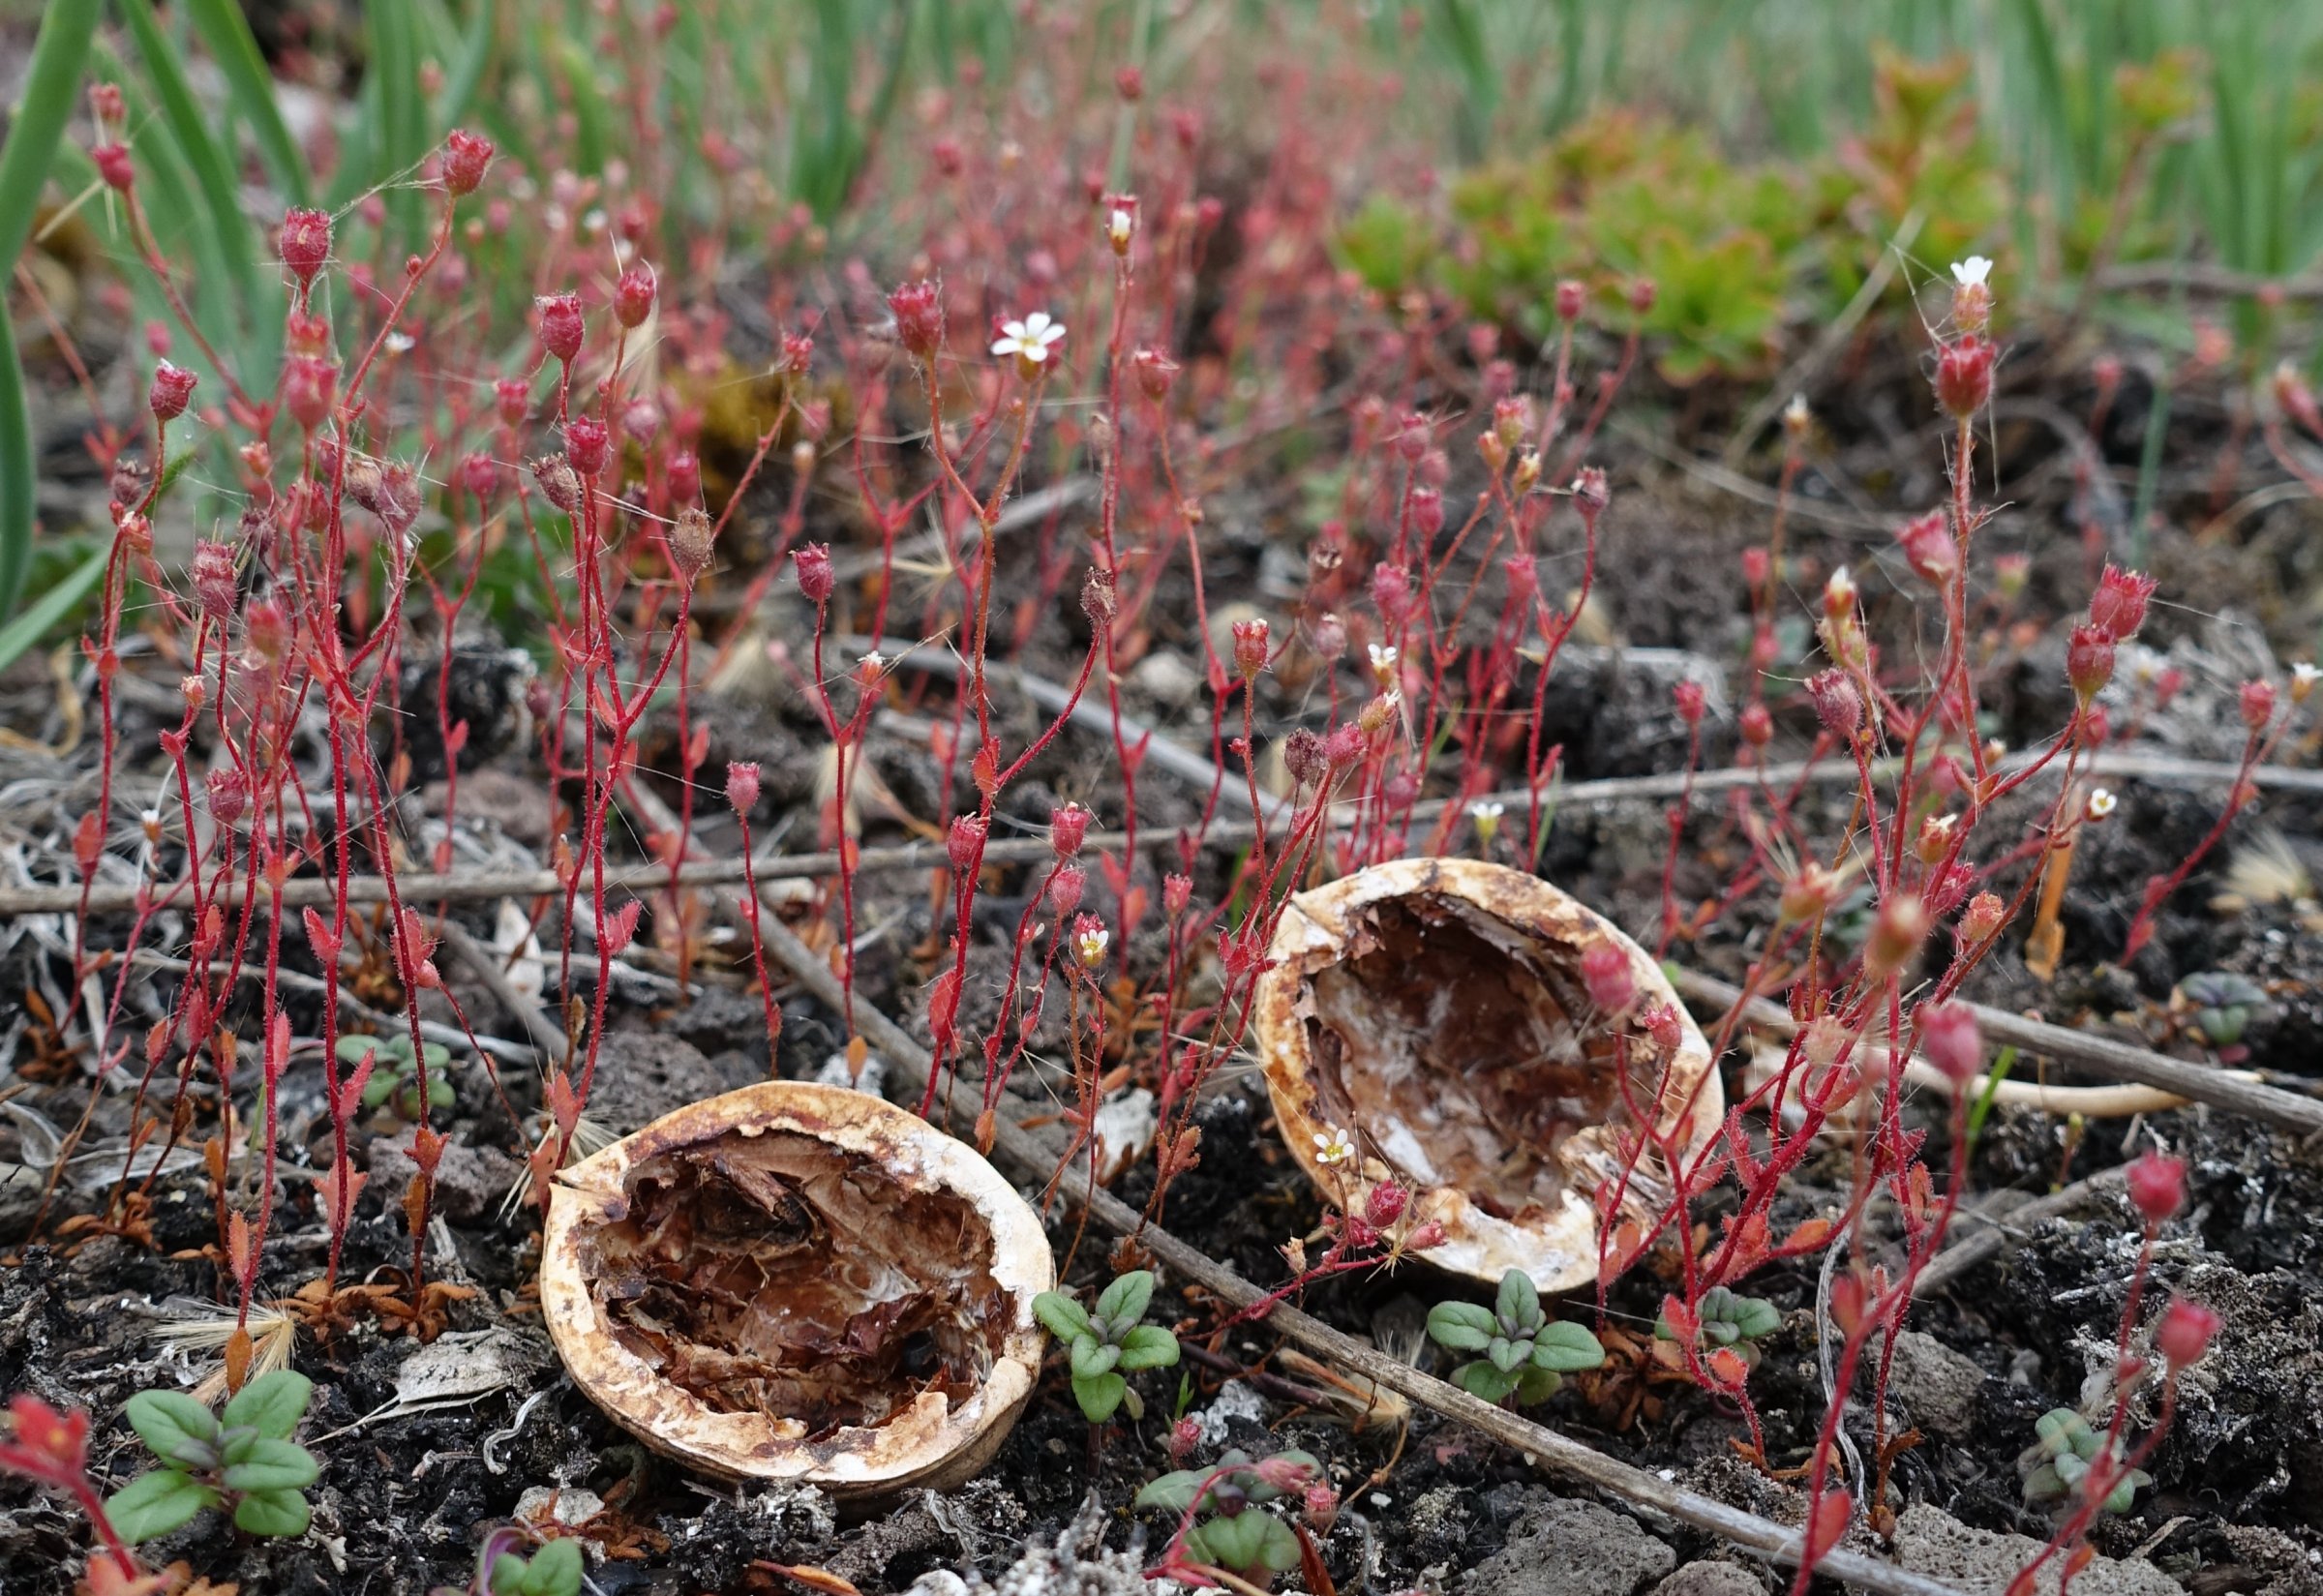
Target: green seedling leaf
1464,1327
1173,1491
1481,1380
1101,1396
555,1570
1519,1302
1536,1384
269,1464
157,1504
56,603
178,1429
1148,1346
1062,1316
1092,1358
279,1513
1125,1301
1506,1355
272,1404
1563,1346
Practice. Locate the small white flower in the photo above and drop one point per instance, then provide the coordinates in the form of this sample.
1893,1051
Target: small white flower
1383,663
1971,272
1795,414
1119,225
1089,945
2100,803
2303,681
399,342
1332,1146
1485,817
1480,810
1029,341
874,662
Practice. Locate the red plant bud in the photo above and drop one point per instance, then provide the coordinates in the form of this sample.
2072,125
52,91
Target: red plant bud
1250,649
170,391
633,295
2118,608
816,579
305,243
105,102
919,310
1896,933
1156,371
465,156
1571,297
685,476
2087,661
511,399
1606,975
1590,494
1756,565
54,1445
1065,884
114,167
1964,376
1426,513
310,388
587,444
1929,547
2257,703
1641,295
1129,83
266,627
561,324
229,795
1068,828
964,846
1756,725
2157,1185
691,536
214,587
1663,1026
1391,591
1303,757
1177,892
1837,704
741,786
1950,1040
2184,1332
1690,703
1385,1203
555,474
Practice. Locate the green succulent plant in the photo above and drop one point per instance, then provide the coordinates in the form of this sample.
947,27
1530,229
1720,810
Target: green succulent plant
395,1075
1730,1319
243,1459
2055,1466
1233,1534
1108,1343
1526,1352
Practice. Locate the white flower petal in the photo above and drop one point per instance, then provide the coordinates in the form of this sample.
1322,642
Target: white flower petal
1971,272
1006,346
1053,333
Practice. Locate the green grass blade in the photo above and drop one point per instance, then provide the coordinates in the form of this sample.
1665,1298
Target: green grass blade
402,135
51,82
51,606
227,33
467,75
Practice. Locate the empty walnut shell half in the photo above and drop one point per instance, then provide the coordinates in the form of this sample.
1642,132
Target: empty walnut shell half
1427,1020
799,1283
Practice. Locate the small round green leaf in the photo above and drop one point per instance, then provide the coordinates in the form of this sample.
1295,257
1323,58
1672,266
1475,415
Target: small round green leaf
272,1404
1464,1327
555,1570
1100,1398
178,1429
1062,1316
1148,1346
270,1464
157,1504
1564,1347
277,1513
1092,1357
1519,1302
1125,1301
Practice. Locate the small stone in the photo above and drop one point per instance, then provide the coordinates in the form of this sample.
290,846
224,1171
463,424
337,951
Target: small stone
1981,1562
469,1180
1941,1390
1708,1579
1165,678
1574,1547
1236,1400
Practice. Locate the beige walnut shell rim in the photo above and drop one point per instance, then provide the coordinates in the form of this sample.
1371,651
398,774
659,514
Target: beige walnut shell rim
933,1443
1557,1245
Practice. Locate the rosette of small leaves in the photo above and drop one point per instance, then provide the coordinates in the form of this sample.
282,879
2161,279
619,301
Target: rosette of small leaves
1525,1351
2056,1466
1730,1319
1233,1533
2225,1005
1108,1343
555,1570
395,1077
242,1459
